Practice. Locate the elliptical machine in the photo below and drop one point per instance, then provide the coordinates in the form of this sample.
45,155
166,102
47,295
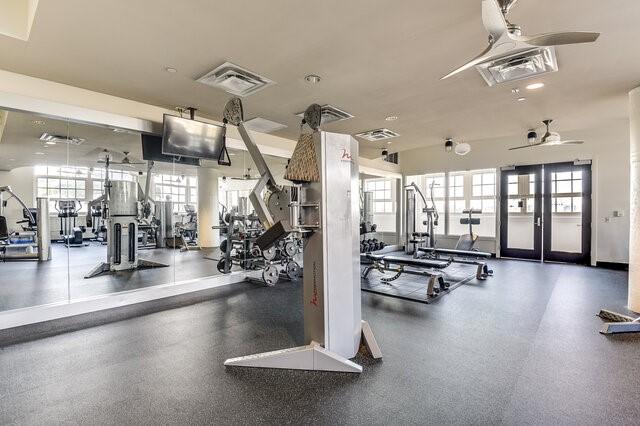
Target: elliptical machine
71,235
97,223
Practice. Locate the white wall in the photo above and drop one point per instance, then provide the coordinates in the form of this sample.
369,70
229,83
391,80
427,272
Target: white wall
607,146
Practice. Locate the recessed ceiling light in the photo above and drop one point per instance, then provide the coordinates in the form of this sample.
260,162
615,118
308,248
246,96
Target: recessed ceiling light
12,159
391,118
49,143
515,91
534,86
39,122
313,79
39,153
522,99
170,70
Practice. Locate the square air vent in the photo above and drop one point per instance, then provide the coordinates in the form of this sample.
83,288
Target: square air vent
72,140
378,135
331,114
262,125
235,80
519,66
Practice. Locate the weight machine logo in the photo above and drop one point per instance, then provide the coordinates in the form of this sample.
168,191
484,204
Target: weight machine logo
346,155
314,298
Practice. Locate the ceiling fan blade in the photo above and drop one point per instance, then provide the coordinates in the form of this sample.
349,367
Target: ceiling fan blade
483,57
493,19
559,39
571,142
95,152
526,146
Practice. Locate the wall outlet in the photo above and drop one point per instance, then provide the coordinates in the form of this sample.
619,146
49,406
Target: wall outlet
618,213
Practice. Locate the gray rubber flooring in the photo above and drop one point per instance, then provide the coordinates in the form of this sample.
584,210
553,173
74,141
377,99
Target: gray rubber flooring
520,348
29,283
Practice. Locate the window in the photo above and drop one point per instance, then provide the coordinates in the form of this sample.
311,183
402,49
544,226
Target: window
74,183
61,183
566,188
475,189
232,197
483,193
383,200
178,189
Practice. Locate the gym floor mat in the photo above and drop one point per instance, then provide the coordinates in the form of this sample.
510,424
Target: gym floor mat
413,287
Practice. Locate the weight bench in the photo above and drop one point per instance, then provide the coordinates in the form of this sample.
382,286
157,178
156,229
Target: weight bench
467,257
397,264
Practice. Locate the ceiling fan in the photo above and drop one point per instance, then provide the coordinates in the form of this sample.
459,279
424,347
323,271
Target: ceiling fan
246,176
549,139
126,161
506,38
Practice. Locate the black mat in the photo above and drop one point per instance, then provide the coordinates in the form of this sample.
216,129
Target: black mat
414,287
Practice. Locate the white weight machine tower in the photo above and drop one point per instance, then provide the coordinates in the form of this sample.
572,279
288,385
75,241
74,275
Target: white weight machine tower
123,213
326,213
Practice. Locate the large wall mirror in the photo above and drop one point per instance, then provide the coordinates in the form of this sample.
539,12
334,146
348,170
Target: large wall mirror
62,170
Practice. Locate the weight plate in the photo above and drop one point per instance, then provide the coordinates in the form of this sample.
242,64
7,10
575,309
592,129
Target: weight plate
270,275
293,270
255,251
290,248
221,264
223,245
269,253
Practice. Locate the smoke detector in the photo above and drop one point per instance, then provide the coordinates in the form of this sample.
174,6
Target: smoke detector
235,80
520,66
48,137
330,114
262,125
378,135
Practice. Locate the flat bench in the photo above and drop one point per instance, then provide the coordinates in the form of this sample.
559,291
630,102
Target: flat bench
454,252
408,261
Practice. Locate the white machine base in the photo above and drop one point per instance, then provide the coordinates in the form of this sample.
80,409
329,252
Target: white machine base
312,357
619,323
104,267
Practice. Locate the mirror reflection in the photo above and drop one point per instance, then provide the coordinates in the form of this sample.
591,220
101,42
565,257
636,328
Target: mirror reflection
89,210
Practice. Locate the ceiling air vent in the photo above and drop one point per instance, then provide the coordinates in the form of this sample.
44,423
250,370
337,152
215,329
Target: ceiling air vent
235,80
331,114
262,125
48,137
377,135
522,65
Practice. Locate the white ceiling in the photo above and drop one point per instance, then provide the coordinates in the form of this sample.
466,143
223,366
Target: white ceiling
376,58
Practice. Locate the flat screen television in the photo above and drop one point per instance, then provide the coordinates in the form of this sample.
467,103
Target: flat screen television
152,151
190,138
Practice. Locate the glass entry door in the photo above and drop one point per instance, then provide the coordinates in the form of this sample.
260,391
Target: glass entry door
567,213
521,212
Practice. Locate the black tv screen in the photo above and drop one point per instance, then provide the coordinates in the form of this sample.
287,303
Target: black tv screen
190,138
152,151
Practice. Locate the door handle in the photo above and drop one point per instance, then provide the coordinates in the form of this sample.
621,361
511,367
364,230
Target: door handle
539,221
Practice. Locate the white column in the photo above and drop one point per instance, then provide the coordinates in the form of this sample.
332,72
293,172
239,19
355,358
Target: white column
634,213
208,207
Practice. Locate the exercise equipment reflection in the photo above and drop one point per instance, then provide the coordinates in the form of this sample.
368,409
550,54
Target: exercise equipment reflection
33,242
70,234
123,214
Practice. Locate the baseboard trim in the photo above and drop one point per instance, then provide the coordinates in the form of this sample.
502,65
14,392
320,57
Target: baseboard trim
21,325
613,265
